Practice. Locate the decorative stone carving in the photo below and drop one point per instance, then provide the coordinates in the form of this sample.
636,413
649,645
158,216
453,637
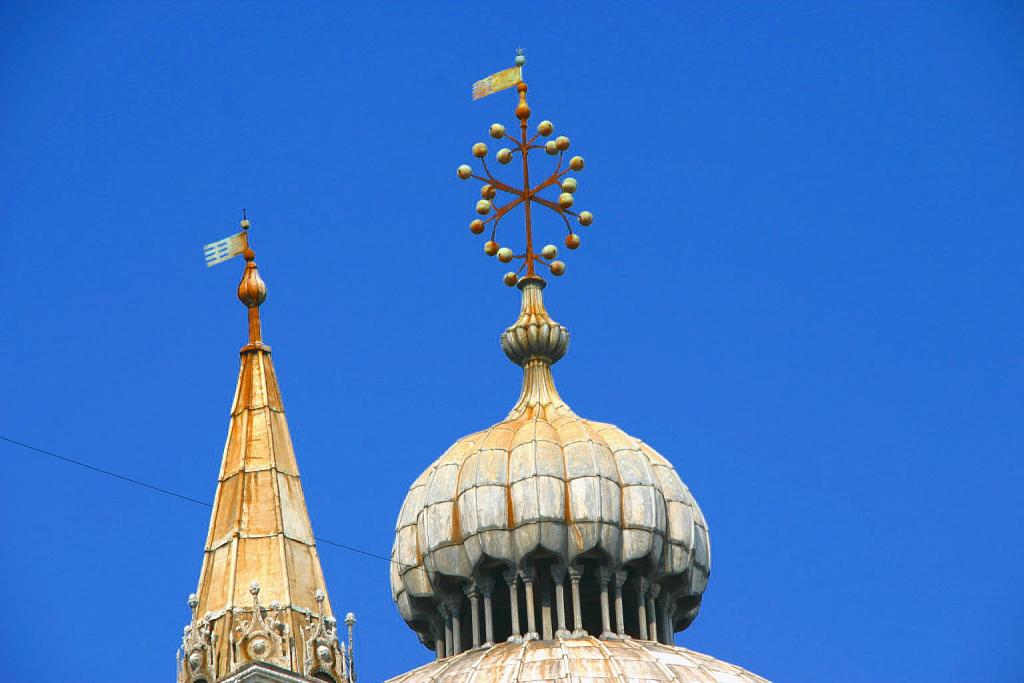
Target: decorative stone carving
324,653
197,658
264,637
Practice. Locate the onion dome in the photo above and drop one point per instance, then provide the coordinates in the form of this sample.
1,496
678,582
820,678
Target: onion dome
583,659
548,547
585,529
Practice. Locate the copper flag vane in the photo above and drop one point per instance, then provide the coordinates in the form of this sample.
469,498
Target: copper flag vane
251,290
526,195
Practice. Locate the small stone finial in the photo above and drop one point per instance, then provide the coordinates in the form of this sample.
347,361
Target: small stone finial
534,335
254,588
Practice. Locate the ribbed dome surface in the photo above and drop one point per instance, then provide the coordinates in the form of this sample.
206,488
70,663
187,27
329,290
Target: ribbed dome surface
580,659
542,489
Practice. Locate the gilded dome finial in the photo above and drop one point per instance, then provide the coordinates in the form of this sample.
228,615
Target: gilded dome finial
527,194
252,291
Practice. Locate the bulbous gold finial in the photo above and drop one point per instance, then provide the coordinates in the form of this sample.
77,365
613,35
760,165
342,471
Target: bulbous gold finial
252,291
562,203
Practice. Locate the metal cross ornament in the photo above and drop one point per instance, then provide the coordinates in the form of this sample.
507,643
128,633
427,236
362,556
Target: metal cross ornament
528,195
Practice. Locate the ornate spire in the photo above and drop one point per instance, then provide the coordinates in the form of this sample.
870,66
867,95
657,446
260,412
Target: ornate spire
527,195
261,588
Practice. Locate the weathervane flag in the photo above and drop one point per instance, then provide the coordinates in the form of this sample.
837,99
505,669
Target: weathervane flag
227,248
497,82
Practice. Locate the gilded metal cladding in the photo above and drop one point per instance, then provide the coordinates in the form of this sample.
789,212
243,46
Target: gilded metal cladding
261,595
580,659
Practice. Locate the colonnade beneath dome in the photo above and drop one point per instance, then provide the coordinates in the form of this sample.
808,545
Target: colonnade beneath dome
551,600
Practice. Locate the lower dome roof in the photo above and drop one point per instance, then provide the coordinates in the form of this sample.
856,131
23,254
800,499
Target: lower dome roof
580,659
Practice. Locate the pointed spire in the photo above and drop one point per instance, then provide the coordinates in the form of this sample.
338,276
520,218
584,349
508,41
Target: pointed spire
261,587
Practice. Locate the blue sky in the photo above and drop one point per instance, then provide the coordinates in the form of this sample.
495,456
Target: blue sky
802,286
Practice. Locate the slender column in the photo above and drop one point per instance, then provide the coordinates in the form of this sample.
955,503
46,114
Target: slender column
527,577
664,624
603,575
558,577
652,611
545,607
575,574
512,579
438,632
486,586
446,614
473,593
641,601
455,608
620,620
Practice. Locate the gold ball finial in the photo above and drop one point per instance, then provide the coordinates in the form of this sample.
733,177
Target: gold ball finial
576,163
569,185
572,241
476,226
490,247
586,218
483,207
545,128
565,200
504,155
549,251
551,147
557,268
480,150
523,110
488,192
510,279
504,254
497,131
465,172
562,143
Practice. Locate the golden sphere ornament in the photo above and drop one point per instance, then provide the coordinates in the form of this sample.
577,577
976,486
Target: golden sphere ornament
504,254
550,147
483,207
490,247
488,192
476,226
576,163
565,200
465,172
569,185
510,279
504,155
549,251
572,241
562,143
586,218
244,224
497,131
545,128
479,150
557,268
